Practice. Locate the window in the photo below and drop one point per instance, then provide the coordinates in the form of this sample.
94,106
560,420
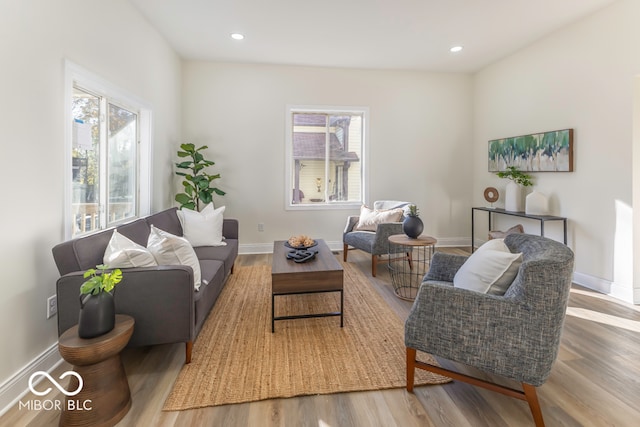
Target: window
325,157
108,152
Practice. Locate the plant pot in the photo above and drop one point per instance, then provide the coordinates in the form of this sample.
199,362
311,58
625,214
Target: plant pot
97,315
513,198
412,226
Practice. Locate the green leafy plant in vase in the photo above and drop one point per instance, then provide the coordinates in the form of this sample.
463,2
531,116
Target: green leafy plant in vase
97,307
197,183
412,225
517,176
513,194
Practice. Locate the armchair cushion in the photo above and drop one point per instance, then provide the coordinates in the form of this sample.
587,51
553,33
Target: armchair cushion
370,218
490,269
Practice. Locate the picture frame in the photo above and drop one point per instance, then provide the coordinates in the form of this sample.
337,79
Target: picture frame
550,151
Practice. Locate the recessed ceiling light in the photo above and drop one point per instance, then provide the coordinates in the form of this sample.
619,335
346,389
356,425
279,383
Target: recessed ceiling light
455,49
237,36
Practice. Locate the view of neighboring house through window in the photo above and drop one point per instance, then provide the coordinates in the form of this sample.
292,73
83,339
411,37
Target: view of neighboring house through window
104,162
326,157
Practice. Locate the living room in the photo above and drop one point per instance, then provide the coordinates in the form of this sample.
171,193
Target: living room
428,141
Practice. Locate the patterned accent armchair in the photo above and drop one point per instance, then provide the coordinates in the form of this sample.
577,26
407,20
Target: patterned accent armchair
376,243
516,335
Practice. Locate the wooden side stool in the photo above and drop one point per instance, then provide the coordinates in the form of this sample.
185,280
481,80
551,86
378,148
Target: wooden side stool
105,397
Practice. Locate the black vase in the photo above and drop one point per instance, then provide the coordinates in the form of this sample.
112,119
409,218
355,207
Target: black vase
412,226
97,314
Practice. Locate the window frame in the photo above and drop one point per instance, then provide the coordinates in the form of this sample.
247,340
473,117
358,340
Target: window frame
85,80
329,110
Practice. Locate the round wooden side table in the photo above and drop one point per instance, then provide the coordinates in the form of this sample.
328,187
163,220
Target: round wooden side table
105,396
408,269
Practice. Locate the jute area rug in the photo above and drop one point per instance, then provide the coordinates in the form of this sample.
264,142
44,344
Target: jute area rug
237,359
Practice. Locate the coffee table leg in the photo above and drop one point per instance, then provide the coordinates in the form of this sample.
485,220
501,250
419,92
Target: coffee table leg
341,308
273,313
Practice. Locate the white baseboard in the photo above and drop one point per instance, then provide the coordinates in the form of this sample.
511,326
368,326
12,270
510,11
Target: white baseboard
615,290
267,248
12,390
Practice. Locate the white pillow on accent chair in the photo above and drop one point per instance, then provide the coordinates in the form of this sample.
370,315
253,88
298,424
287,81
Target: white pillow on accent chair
169,249
203,228
490,269
123,252
370,218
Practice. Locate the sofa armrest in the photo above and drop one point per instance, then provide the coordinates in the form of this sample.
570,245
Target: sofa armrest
230,228
444,266
384,230
160,299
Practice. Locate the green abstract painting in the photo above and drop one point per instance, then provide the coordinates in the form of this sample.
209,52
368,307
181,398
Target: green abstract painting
538,152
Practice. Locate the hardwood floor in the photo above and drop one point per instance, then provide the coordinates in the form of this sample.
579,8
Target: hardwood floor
595,381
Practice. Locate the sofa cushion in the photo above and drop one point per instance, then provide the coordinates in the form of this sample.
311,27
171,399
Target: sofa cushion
137,231
166,220
213,271
89,250
169,249
226,254
202,228
122,252
370,218
490,269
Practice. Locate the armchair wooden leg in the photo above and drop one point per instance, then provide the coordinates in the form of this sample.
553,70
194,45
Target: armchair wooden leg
532,399
411,368
188,349
345,250
374,265
410,260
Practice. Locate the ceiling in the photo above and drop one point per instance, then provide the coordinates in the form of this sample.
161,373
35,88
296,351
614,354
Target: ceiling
377,34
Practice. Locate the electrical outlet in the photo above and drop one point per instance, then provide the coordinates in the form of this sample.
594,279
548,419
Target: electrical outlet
52,306
260,227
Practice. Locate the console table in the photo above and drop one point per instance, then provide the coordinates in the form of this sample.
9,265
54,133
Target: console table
500,211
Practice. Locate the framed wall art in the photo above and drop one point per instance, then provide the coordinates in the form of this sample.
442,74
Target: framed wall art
539,152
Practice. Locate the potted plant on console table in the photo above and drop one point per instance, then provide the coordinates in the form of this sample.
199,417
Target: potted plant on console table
513,194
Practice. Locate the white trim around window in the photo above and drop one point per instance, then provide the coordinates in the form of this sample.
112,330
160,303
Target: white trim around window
328,198
79,76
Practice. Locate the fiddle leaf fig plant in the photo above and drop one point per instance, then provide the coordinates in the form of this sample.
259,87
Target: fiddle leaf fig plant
100,280
197,182
517,176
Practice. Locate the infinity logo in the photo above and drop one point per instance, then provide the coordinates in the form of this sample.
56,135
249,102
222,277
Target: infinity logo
55,383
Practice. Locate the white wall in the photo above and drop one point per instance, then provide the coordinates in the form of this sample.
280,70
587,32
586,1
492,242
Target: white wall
581,77
112,40
419,142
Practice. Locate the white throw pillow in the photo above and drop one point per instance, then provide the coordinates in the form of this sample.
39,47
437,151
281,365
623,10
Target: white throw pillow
490,269
123,252
370,218
203,228
169,249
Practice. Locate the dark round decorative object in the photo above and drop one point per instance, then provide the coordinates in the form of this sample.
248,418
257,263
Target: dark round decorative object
97,315
412,226
491,194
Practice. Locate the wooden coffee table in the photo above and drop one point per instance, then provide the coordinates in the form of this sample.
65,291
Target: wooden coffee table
322,274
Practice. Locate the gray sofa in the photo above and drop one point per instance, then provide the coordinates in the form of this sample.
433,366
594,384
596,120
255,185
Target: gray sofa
161,299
